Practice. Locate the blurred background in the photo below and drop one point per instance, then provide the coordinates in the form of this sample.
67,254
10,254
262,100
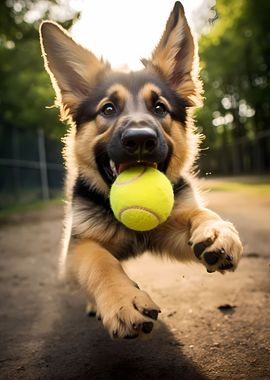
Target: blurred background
234,44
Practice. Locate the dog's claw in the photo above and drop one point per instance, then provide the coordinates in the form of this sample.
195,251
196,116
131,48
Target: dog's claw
131,336
226,266
91,314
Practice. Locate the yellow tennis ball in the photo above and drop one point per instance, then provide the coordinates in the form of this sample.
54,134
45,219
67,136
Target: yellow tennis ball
141,198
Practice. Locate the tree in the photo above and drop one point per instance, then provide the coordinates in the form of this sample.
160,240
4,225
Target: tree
25,88
235,57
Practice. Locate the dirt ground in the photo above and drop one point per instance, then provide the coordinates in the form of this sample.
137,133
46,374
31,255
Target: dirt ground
211,326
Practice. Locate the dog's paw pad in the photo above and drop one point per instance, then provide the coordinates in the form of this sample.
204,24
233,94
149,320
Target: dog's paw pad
147,327
153,314
211,258
201,246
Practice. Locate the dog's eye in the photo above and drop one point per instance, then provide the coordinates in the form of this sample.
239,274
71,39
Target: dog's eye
160,109
108,110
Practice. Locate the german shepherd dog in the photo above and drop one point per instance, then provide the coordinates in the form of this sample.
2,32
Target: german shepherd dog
119,120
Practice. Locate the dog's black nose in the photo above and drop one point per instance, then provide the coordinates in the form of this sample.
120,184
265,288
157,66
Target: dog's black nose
143,140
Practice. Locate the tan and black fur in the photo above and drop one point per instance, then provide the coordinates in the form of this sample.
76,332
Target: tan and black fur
119,119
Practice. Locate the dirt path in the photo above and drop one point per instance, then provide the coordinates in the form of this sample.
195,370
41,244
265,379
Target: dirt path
45,334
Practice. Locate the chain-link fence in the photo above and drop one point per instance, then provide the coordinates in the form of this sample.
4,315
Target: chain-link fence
30,165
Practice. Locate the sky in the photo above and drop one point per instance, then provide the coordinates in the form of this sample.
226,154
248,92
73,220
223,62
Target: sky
123,31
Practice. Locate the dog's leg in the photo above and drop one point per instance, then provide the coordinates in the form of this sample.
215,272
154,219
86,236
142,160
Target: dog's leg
125,310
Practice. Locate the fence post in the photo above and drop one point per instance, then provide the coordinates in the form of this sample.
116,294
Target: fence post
16,156
43,165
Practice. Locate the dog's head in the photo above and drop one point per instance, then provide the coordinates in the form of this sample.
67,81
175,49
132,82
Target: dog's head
125,118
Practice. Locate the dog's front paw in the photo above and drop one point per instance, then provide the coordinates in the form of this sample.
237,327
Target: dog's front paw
217,245
127,313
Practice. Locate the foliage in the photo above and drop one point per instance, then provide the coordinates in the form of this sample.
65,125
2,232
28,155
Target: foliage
25,88
235,61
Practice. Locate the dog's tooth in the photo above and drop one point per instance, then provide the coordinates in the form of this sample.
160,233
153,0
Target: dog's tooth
113,168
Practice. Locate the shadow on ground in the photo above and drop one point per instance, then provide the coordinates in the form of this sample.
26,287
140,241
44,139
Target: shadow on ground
45,333
79,348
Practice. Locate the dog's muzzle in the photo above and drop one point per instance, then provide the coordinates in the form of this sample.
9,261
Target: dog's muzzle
129,146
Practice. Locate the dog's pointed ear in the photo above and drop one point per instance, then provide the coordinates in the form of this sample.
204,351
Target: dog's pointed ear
73,69
175,57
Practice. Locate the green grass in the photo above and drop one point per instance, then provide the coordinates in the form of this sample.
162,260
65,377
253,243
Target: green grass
22,208
252,187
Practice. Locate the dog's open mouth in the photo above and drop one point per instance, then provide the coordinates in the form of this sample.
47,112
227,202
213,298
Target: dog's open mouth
119,168
109,170
115,169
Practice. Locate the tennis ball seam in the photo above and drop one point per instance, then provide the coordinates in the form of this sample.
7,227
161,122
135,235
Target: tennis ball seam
140,208
131,180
